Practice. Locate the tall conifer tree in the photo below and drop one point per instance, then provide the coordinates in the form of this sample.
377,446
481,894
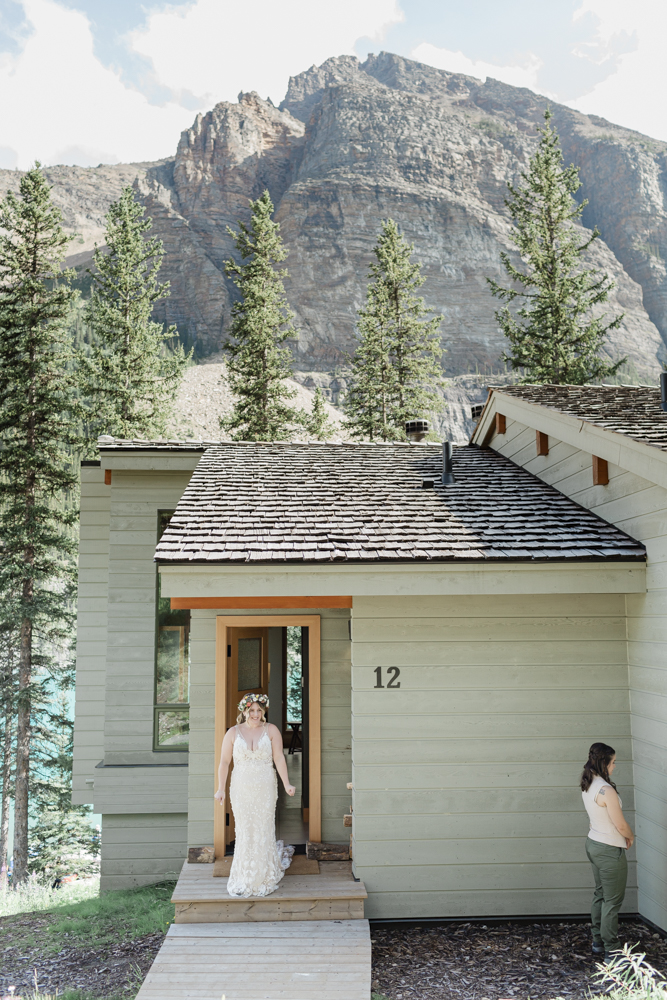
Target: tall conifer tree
557,334
396,369
38,416
129,374
257,363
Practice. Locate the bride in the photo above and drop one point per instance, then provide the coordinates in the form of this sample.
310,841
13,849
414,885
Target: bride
259,860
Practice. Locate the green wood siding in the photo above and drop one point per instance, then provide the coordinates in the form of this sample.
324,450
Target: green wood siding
500,698
639,507
140,849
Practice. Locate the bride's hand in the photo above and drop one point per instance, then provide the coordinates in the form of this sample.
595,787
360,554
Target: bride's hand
290,789
220,796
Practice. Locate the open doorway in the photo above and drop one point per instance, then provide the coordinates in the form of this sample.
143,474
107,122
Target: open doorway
278,656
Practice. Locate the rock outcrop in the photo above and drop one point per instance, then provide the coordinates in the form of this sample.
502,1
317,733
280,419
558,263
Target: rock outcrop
354,143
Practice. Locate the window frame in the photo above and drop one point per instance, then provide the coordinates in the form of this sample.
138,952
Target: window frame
183,706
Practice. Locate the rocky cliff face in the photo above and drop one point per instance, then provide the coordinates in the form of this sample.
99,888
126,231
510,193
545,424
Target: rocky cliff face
354,143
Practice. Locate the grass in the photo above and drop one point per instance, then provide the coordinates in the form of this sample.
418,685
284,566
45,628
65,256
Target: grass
35,896
97,920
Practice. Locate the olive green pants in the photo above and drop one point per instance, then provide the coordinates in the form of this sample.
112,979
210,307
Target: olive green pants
610,871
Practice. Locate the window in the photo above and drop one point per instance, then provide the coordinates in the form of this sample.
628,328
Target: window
294,684
171,724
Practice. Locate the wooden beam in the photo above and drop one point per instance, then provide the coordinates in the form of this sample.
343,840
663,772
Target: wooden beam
501,423
542,442
251,603
219,824
600,471
107,477
314,732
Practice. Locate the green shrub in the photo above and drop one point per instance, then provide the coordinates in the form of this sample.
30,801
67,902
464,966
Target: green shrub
630,977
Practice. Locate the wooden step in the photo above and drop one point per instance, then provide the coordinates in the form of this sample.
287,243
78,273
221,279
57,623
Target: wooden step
199,897
274,960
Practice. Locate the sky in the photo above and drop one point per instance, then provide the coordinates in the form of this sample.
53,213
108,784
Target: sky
108,81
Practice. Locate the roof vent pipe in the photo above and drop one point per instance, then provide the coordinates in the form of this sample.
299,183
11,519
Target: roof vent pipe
416,430
447,474
663,390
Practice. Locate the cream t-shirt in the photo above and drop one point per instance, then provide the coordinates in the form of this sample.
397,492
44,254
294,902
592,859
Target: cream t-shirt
602,829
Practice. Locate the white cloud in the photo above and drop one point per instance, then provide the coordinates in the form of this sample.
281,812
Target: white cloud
57,97
215,48
60,104
457,62
634,95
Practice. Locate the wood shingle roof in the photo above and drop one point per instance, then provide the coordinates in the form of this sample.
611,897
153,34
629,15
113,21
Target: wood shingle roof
361,503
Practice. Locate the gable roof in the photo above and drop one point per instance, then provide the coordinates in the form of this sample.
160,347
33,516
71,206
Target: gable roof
632,410
361,503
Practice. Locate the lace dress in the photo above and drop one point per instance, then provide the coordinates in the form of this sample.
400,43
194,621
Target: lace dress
259,860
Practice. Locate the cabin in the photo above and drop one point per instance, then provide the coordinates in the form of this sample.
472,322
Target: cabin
440,640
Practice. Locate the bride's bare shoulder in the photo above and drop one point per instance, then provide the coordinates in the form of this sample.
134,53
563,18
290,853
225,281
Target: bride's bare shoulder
272,730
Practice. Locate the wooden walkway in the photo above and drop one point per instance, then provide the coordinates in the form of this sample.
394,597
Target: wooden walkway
273,960
306,941
332,895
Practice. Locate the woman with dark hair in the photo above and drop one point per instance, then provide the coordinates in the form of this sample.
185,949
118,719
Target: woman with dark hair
608,839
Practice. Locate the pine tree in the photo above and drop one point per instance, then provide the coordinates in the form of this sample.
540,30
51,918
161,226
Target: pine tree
128,373
317,422
62,839
557,334
396,369
257,364
38,416
8,649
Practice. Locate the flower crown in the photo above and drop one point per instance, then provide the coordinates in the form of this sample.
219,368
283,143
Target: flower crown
249,699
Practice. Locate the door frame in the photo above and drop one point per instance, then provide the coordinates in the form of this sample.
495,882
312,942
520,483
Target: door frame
312,623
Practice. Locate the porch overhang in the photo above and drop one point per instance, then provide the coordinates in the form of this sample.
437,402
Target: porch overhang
401,579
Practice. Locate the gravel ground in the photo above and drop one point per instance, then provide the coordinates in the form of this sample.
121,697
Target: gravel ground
494,962
113,971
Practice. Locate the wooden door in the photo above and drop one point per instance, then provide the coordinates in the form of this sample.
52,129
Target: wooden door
247,671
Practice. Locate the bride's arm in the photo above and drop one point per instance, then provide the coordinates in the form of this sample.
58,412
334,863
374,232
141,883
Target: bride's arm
279,758
225,761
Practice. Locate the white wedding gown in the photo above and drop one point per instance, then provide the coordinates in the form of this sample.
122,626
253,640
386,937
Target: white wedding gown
259,861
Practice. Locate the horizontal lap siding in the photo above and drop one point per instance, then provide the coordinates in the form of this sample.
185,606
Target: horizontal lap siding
466,798
335,701
141,849
136,498
91,632
640,508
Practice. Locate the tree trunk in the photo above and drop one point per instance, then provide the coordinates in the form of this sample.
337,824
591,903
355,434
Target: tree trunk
23,747
6,772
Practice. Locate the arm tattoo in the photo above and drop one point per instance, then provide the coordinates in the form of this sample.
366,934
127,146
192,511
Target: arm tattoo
601,792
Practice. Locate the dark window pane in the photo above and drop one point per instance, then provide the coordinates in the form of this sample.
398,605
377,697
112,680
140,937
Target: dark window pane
172,664
173,727
172,660
294,674
250,664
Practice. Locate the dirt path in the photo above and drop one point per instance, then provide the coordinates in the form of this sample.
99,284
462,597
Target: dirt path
113,971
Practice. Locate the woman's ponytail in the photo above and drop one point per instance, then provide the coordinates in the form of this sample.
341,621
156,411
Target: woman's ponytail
597,766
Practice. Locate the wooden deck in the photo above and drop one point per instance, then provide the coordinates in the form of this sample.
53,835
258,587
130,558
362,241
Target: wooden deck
331,895
275,960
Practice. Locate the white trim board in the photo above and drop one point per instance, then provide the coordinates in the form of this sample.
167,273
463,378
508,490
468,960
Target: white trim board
403,579
633,456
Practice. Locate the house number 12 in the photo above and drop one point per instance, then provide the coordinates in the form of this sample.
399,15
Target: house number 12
394,674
